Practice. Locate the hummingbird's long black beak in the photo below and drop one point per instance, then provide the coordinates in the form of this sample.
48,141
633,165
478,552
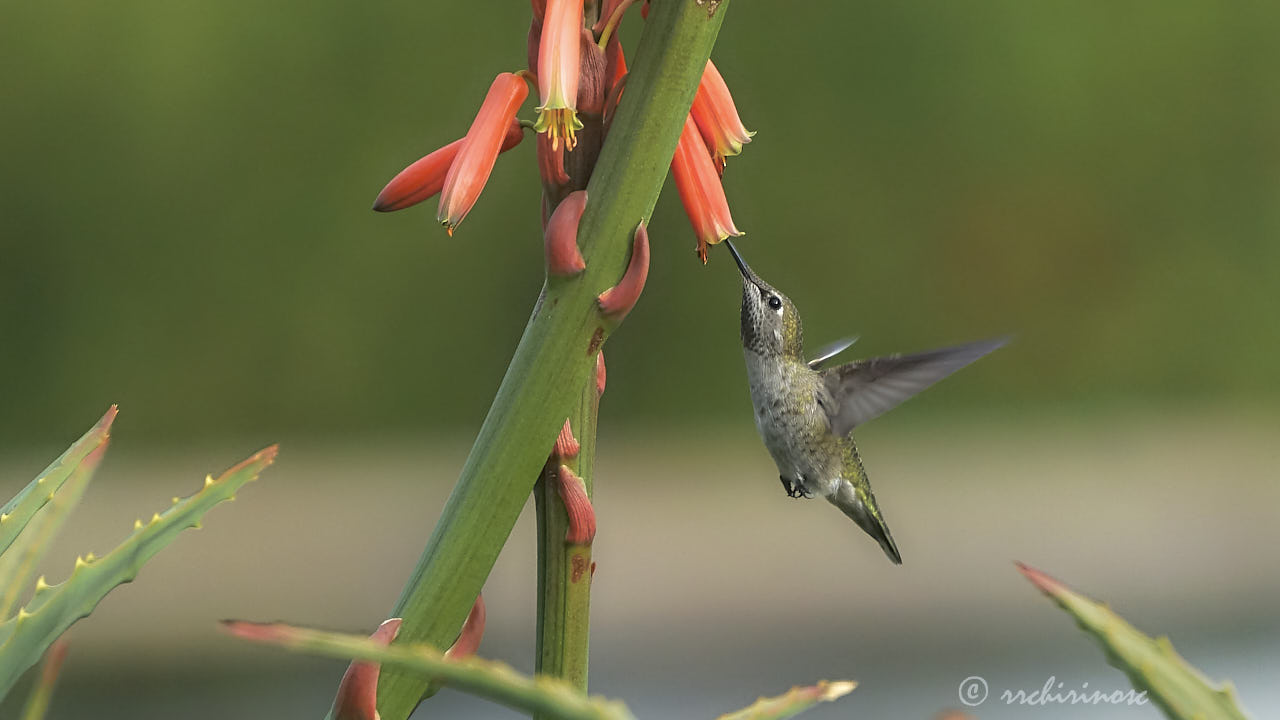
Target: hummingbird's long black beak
742,264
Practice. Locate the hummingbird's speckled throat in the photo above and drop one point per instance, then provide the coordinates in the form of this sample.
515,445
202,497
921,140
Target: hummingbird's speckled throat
787,337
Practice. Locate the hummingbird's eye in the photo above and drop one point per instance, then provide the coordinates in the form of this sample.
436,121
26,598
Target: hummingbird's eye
774,302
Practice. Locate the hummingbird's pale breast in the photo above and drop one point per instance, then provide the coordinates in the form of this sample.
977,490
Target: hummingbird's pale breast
792,424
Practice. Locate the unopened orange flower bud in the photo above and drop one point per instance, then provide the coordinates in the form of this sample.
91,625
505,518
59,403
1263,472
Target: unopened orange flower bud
615,61
425,177
470,169
593,79
618,300
700,190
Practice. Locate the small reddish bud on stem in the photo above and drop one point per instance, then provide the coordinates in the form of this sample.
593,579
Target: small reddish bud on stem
600,374
560,239
618,300
567,446
358,691
472,631
582,517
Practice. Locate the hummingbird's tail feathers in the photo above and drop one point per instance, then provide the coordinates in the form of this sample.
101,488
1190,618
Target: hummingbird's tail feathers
860,505
865,389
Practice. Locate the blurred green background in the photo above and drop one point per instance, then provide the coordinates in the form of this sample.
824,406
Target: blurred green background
185,230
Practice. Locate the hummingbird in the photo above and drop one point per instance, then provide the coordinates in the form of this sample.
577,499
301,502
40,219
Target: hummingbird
806,412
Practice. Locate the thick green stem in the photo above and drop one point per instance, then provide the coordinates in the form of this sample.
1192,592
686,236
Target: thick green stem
564,569
558,350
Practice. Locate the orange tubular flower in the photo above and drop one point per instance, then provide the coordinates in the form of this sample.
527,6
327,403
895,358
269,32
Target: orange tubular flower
700,190
717,117
470,169
425,177
558,60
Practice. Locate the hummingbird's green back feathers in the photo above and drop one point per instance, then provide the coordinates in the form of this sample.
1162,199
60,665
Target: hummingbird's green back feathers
854,498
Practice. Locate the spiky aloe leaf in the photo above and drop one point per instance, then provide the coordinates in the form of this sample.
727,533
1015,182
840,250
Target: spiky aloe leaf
16,513
18,563
541,695
55,607
793,702
1176,687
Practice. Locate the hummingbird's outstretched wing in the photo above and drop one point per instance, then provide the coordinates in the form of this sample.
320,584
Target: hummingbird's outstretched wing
831,350
866,389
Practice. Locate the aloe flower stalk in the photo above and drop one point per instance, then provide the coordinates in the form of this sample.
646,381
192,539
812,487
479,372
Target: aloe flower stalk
700,190
717,117
625,161
470,169
559,57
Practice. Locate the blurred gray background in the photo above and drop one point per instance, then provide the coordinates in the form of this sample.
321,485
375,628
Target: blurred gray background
184,230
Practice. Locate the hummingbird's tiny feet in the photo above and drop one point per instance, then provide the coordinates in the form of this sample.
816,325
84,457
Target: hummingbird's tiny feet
789,487
801,490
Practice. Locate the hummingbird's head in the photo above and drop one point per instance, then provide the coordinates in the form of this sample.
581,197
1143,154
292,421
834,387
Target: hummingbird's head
770,322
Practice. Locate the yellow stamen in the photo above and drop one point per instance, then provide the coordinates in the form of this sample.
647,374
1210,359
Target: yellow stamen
559,123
